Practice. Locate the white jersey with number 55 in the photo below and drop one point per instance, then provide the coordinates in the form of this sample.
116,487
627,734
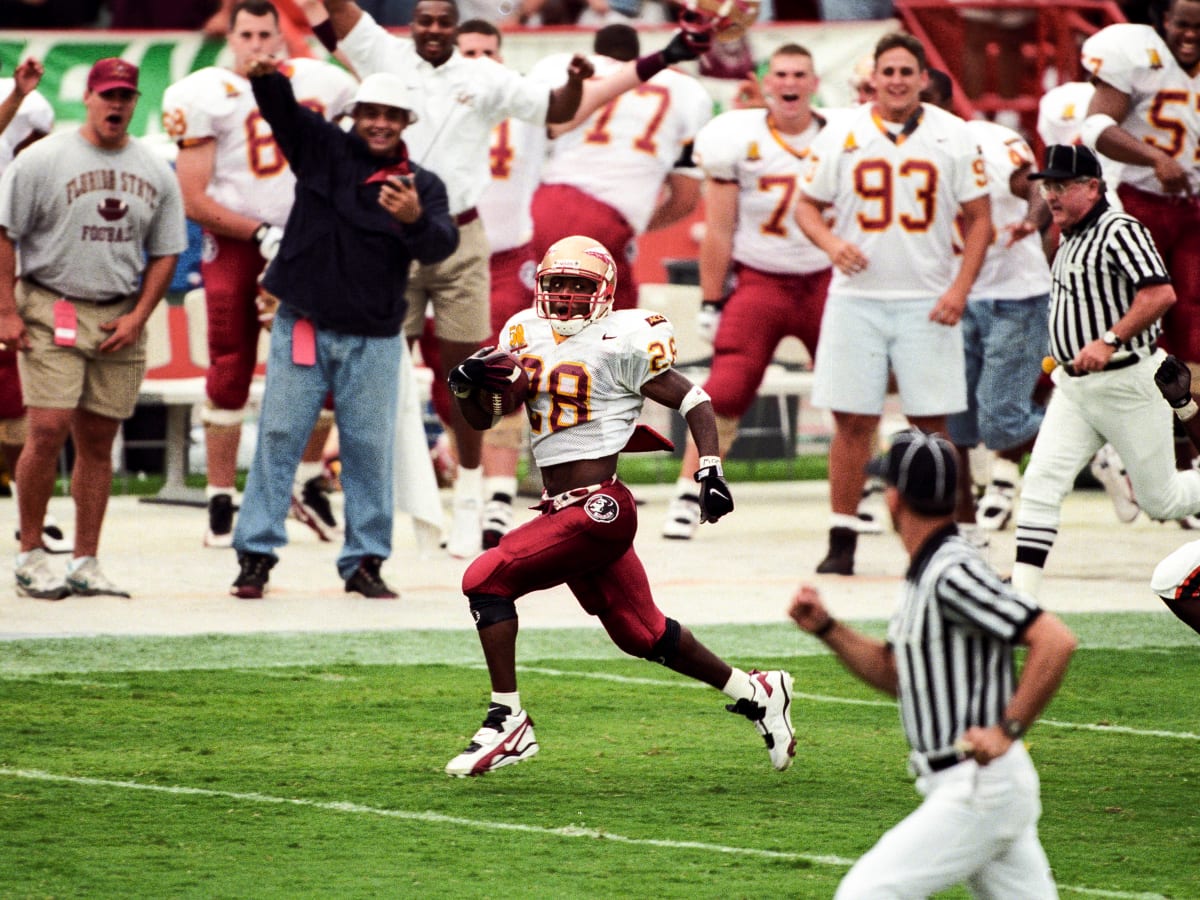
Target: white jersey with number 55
585,391
1164,101
250,174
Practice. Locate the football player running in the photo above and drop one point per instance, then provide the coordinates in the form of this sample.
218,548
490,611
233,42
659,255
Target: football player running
590,370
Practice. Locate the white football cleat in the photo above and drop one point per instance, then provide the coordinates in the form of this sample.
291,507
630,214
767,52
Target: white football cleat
497,522
869,520
504,739
770,709
683,518
995,507
1107,468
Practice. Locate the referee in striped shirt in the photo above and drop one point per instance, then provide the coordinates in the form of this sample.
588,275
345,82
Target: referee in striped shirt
1110,289
949,659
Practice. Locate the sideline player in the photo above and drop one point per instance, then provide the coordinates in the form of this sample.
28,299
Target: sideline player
590,370
753,160
239,188
896,175
1143,115
628,169
949,660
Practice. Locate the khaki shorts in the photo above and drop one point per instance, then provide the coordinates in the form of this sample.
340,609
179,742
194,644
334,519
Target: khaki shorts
459,289
78,377
12,431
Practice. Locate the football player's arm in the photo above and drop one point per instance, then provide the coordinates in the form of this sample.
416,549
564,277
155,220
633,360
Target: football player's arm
680,195
716,247
869,658
565,99
25,79
670,389
810,217
977,235
194,168
1174,380
1037,211
344,15
1103,133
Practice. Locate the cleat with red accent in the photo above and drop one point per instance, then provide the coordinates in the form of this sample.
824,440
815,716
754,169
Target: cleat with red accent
770,709
505,738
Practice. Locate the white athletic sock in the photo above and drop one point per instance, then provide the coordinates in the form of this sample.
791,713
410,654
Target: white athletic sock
512,700
686,487
74,565
738,687
469,482
1006,470
500,484
214,490
841,520
1027,578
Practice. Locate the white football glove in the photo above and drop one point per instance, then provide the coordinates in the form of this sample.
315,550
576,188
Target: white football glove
708,318
269,245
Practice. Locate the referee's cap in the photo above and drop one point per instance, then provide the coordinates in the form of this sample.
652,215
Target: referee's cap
923,467
1067,161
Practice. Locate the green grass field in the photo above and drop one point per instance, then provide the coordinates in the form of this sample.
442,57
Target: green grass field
311,765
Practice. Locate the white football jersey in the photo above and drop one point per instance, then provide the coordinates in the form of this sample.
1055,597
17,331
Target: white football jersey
34,114
896,198
742,146
1164,101
250,174
585,391
622,153
515,156
1019,271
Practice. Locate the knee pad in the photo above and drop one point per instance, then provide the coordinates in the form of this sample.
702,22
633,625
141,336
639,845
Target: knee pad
667,646
508,433
215,417
489,609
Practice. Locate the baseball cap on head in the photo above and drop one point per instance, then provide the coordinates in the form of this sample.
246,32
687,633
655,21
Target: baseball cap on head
923,468
386,89
111,74
1066,161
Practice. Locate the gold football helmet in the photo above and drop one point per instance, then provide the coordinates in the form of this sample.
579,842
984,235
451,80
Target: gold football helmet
576,282
727,20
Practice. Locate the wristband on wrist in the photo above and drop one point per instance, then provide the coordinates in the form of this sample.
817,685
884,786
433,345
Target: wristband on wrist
711,462
1187,412
261,232
649,66
826,628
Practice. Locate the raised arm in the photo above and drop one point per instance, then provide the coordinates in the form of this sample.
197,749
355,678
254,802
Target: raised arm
870,659
1103,132
344,15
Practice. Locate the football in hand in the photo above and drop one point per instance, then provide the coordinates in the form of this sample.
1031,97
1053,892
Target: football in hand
515,391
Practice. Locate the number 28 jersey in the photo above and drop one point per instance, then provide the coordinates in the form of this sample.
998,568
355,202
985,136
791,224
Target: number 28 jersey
896,196
585,391
250,174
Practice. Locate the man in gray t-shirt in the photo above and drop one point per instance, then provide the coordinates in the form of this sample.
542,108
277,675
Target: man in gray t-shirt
99,222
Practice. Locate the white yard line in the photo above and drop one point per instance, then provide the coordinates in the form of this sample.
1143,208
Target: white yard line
565,831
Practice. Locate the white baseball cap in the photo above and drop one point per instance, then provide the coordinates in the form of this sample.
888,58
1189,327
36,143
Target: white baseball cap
386,89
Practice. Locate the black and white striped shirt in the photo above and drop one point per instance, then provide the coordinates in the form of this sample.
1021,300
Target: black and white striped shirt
953,641
1101,265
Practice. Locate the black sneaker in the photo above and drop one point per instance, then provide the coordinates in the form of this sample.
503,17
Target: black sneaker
367,581
220,521
840,559
251,582
310,504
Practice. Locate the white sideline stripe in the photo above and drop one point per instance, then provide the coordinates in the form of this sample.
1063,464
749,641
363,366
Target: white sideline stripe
570,831
854,701
567,831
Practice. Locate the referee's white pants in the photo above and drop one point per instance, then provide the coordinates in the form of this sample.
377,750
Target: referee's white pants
977,826
1124,408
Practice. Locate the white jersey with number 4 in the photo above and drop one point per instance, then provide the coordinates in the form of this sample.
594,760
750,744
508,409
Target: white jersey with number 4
625,150
515,155
585,391
250,174
743,147
1164,101
896,197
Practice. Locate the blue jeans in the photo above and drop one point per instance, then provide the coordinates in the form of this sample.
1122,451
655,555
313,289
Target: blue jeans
1004,342
362,373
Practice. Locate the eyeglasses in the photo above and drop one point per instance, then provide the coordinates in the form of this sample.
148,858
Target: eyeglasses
902,71
1058,188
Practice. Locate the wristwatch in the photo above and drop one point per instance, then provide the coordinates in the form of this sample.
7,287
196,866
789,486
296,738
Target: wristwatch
1110,338
1014,728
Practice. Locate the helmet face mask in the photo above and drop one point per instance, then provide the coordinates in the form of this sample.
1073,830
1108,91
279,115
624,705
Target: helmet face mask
575,284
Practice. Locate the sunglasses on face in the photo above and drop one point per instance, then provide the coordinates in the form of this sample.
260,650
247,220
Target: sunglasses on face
902,71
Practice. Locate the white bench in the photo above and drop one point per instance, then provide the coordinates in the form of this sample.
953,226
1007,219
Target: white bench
176,361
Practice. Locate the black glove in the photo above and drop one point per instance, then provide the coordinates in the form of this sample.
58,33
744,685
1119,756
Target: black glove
715,498
687,45
1174,381
484,370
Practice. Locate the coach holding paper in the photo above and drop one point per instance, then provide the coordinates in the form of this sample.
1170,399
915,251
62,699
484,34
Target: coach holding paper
1109,291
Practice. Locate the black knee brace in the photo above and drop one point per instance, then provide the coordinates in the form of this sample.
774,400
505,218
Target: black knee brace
667,646
488,609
